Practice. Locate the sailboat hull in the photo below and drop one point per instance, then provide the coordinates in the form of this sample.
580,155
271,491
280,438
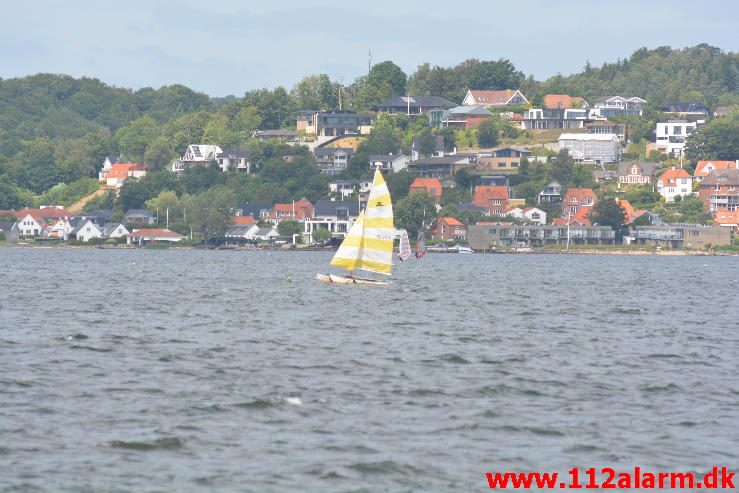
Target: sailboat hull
333,279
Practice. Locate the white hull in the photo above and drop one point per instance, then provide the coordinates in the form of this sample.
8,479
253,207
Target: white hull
334,279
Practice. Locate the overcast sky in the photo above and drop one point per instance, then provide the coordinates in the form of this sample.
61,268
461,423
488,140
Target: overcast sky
225,47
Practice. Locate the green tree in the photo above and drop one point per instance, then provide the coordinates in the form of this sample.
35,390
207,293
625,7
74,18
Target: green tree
289,228
716,140
415,213
211,212
492,75
159,154
488,133
135,138
607,212
388,73
164,203
321,234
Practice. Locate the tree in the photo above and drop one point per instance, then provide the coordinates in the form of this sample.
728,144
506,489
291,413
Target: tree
166,203
717,140
321,234
289,228
427,142
608,212
415,213
388,73
487,133
134,138
159,155
210,212
492,75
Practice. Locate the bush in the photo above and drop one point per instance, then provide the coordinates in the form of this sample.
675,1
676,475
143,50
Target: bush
2,236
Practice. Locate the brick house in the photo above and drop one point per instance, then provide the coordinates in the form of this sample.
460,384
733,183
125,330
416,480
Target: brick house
447,228
493,198
578,203
719,191
431,186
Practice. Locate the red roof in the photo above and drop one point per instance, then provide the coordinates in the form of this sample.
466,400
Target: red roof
43,213
303,209
702,168
485,194
122,171
629,212
554,101
671,175
154,232
431,186
496,98
243,220
727,217
580,194
451,221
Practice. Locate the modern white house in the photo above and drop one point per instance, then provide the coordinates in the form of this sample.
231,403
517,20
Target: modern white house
671,135
141,236
592,148
619,106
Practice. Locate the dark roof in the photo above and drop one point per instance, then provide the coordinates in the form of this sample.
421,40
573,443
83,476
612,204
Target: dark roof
647,168
254,208
453,159
417,101
326,207
469,206
109,228
722,177
138,212
6,226
685,107
330,151
239,229
104,214
234,154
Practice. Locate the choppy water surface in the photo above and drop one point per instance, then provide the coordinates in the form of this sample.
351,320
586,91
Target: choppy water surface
208,371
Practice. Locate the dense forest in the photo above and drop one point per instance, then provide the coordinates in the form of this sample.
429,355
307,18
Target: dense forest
55,130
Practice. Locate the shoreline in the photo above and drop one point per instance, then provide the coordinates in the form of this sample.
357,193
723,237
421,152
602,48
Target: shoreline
543,251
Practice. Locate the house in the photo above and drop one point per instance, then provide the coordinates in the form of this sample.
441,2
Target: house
335,215
85,230
430,186
578,203
630,214
60,229
413,105
283,135
304,122
107,164
534,215
551,193
549,118
300,210
46,212
563,101
340,122
671,135
447,228
345,188
99,217
142,236
266,234
8,232
634,172
592,148
681,236
417,152
503,160
440,167
389,162
197,155
605,127
490,236
705,168
686,108
138,216
242,232
719,191
620,106
333,160
259,211
604,175
494,199
242,220
459,117
114,230
29,225
674,182
722,111
492,180
120,172
487,99
234,160
727,219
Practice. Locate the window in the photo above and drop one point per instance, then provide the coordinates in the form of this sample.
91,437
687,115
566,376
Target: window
535,216
677,130
501,164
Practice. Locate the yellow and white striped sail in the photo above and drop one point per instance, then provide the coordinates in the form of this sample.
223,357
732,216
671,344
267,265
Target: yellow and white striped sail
369,243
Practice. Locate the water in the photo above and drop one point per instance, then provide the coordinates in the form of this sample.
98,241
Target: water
208,371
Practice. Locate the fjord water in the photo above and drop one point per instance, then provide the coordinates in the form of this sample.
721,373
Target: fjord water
144,370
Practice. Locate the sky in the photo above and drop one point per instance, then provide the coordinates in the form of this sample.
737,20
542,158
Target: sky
223,47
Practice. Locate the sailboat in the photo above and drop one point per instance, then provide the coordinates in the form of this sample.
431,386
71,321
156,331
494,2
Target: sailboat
404,247
369,244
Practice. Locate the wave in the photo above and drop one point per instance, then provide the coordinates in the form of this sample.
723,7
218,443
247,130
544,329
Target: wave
158,444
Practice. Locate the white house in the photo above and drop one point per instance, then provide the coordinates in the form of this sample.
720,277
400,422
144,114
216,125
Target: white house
85,230
486,99
234,160
61,229
592,148
197,155
114,230
535,215
620,106
266,234
107,164
30,226
245,231
145,235
674,182
388,162
671,135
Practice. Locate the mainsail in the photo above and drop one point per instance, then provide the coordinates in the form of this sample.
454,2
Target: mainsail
369,243
421,245
404,248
